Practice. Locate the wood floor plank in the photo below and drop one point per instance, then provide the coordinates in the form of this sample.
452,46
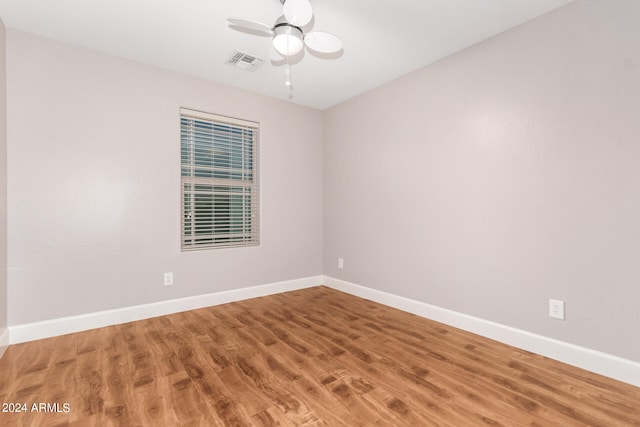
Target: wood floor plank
314,357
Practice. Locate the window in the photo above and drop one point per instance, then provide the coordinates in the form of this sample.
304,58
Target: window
219,179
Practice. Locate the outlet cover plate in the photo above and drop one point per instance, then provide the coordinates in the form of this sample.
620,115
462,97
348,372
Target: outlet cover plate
556,309
168,279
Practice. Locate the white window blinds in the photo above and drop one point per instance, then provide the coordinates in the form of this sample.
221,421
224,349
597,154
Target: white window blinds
219,174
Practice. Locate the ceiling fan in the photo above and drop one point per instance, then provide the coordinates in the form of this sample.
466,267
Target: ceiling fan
287,33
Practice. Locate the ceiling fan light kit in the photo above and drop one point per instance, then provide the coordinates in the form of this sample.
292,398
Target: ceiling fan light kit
287,39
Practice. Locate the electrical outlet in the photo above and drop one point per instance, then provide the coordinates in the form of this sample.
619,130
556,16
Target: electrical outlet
556,309
340,263
168,279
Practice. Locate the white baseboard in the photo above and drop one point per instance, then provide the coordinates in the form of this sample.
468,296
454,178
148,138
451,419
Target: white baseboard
4,340
595,361
591,360
67,325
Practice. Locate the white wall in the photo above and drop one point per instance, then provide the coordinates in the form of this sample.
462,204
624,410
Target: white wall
94,184
500,177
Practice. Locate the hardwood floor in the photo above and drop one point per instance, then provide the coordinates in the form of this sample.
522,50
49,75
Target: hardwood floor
306,358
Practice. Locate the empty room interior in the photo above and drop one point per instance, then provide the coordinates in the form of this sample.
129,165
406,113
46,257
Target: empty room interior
270,212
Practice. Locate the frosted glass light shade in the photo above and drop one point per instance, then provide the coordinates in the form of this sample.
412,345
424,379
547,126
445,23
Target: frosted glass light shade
287,40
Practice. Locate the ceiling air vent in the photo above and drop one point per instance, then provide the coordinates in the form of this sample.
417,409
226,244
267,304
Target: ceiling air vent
244,61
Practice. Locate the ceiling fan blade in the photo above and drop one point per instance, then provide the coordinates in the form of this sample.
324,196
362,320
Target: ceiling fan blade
251,25
297,12
323,42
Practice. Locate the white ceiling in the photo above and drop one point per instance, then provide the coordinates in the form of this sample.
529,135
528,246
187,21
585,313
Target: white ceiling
383,39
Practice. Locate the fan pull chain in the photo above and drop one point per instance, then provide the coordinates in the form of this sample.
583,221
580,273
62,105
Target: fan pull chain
287,72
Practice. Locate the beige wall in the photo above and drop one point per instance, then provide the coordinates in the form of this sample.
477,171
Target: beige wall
93,152
500,177
486,183
3,181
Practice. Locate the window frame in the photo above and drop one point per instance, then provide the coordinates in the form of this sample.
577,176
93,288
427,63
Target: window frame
205,222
